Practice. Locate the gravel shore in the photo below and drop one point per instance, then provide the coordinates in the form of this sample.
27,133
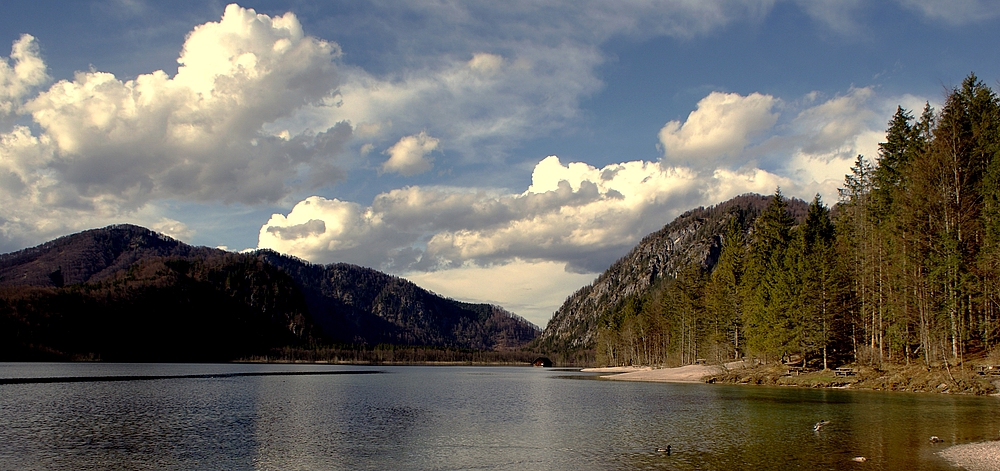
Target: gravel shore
684,374
617,369
983,456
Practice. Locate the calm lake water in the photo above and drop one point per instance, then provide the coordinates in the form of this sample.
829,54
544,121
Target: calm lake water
237,417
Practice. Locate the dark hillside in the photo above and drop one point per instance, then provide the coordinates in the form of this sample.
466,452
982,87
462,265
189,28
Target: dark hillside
363,306
90,256
126,293
159,309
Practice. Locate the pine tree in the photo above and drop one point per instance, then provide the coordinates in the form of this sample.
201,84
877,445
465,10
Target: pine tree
723,291
954,179
787,299
984,114
856,236
686,308
761,292
904,143
821,287
914,238
989,263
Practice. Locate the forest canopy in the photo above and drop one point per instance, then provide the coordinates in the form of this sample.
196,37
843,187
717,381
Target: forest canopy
905,267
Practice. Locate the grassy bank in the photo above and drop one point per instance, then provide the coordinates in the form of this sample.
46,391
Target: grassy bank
939,379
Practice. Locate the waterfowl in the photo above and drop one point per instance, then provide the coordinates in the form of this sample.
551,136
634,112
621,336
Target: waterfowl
935,439
820,425
664,450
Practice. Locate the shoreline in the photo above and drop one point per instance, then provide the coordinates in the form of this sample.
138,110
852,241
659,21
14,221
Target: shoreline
976,456
893,379
617,369
681,374
385,363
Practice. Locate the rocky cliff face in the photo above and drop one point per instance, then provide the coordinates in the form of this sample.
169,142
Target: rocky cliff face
693,237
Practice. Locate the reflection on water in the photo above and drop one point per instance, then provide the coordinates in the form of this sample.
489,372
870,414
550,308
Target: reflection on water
460,418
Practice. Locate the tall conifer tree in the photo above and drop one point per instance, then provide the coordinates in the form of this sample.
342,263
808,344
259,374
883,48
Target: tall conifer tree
761,293
724,301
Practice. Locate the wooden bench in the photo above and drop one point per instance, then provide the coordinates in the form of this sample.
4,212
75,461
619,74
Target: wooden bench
844,372
795,370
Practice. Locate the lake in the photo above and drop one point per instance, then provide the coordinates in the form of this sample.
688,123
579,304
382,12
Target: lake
240,416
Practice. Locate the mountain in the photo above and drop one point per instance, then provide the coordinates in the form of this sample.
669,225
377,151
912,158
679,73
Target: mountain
90,256
127,293
373,307
693,237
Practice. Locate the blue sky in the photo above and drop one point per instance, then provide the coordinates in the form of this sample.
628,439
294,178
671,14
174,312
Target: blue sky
490,151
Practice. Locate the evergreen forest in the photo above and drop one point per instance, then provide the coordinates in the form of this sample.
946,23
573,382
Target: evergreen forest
904,268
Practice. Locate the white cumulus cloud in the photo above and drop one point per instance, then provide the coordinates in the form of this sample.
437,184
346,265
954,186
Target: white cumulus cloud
173,228
585,216
820,143
197,135
104,148
19,74
575,214
718,130
810,148
408,157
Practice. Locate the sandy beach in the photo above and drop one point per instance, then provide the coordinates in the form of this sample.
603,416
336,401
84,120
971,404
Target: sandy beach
617,369
983,456
683,374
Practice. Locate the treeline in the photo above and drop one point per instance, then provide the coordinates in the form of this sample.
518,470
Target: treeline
394,354
905,268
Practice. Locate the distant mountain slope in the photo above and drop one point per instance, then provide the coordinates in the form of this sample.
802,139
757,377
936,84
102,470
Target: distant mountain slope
362,305
90,256
126,293
215,307
693,237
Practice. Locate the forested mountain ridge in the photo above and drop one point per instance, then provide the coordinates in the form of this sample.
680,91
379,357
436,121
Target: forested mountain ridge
376,307
90,256
693,238
904,269
126,293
